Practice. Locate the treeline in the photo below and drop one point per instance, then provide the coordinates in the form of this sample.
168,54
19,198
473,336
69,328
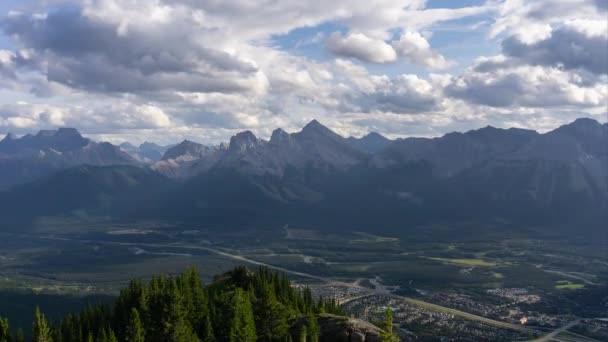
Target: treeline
240,305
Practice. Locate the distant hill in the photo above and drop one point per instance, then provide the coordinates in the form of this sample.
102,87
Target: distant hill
147,152
370,143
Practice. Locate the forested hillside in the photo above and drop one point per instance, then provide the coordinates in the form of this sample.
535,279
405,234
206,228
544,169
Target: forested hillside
240,305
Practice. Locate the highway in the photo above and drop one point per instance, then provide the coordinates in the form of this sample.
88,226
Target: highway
562,334
409,300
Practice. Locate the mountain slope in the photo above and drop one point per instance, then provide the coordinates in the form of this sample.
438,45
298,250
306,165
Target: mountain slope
115,191
146,152
370,143
455,152
30,157
317,177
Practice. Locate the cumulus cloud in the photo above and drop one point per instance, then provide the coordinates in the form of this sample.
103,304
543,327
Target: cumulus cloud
6,64
415,48
360,46
367,93
404,94
204,70
120,115
411,46
527,86
531,21
602,4
148,56
577,45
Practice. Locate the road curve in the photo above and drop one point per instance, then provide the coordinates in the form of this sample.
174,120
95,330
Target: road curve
409,300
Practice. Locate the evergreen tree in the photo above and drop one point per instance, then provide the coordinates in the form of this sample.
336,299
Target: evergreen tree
135,330
19,337
175,326
313,330
111,336
242,327
271,317
41,331
239,306
303,334
388,335
207,335
5,334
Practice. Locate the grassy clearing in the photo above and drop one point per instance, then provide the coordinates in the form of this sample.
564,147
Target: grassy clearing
352,268
568,285
302,234
370,238
467,262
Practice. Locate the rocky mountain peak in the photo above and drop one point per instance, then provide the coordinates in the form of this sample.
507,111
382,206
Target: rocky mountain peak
243,141
370,143
185,148
67,132
62,139
582,127
127,146
9,137
279,135
315,127
46,133
149,145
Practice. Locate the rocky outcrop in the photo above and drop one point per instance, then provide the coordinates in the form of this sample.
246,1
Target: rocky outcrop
341,329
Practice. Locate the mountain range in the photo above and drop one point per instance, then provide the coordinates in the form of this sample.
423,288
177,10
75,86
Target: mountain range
316,177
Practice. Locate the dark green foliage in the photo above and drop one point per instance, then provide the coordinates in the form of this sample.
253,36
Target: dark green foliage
239,306
242,325
135,330
312,330
41,331
388,335
5,334
19,337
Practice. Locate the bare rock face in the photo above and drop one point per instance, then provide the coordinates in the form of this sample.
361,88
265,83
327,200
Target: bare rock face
357,336
373,337
334,327
341,336
341,329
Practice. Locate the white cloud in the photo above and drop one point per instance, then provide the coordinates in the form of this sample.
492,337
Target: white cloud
531,21
362,47
415,48
527,86
207,69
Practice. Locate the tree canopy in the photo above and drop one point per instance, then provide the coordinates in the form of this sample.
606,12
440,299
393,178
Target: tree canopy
241,305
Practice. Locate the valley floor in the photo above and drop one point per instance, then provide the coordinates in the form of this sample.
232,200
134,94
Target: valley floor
501,289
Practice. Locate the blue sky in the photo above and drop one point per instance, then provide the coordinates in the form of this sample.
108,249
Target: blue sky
168,70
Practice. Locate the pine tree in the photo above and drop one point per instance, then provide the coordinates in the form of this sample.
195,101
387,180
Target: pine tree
312,328
242,326
19,336
388,335
243,306
206,335
174,322
303,334
270,316
107,335
135,330
41,331
5,334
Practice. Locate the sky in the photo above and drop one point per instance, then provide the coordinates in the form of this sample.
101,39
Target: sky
168,70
